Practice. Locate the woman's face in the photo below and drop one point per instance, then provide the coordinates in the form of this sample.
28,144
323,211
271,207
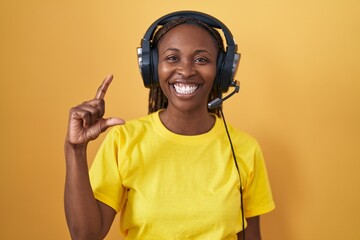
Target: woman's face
187,67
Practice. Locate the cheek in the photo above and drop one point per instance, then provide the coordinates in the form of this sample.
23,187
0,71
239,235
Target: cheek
163,74
210,74
163,71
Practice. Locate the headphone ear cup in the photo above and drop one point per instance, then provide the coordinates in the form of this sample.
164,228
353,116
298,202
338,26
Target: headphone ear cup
144,61
219,71
230,63
154,67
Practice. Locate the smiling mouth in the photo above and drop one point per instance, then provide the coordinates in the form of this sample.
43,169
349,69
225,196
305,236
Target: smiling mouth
185,89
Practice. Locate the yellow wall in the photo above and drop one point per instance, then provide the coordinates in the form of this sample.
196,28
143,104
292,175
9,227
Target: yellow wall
300,98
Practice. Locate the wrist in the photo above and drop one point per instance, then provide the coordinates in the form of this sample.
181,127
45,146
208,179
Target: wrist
75,150
74,146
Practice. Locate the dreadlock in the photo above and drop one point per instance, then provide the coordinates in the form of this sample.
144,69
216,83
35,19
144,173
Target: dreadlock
157,99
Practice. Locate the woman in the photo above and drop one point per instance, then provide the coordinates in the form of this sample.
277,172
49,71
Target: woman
171,174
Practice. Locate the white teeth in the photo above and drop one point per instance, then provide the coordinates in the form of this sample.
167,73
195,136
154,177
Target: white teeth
185,88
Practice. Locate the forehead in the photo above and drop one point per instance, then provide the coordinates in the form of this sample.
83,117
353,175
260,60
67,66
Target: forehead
188,33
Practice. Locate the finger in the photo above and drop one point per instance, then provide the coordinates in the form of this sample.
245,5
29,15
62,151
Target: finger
110,122
78,113
100,94
96,106
95,130
93,112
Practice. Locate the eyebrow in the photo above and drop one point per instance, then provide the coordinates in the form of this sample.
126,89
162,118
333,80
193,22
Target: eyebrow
178,50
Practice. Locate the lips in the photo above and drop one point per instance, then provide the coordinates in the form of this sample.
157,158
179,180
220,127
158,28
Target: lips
185,89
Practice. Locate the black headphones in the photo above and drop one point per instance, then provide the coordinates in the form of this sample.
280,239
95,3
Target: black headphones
227,60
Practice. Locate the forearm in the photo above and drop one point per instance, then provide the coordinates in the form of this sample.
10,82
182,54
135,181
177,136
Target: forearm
82,212
248,236
252,232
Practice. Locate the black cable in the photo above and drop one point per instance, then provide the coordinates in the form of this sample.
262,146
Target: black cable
238,170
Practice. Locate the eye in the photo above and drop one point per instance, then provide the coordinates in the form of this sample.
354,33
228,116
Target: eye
201,60
172,58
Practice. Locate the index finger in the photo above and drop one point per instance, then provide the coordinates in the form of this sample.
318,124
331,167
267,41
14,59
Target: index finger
100,94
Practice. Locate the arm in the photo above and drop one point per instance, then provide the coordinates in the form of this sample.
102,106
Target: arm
252,232
86,217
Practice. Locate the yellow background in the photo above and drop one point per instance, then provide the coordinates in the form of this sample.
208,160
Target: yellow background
300,97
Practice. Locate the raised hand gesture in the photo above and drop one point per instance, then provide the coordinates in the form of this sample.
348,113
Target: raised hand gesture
86,120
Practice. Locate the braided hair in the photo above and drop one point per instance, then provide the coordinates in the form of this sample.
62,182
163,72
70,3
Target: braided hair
157,99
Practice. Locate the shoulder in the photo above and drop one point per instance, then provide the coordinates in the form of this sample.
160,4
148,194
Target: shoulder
242,138
247,149
132,128
144,121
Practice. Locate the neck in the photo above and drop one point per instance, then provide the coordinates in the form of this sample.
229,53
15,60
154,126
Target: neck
187,123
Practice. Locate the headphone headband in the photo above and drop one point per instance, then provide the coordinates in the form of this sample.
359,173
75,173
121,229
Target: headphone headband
202,17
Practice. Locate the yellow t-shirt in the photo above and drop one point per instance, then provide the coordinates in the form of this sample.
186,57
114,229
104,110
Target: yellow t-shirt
170,186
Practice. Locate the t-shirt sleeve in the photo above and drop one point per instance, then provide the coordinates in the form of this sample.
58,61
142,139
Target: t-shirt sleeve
258,198
104,173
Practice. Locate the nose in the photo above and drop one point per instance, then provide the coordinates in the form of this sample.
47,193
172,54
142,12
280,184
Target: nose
186,68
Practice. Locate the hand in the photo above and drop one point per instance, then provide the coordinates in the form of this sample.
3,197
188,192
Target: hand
86,120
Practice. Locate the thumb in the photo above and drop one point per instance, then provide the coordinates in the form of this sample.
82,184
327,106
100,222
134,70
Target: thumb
110,122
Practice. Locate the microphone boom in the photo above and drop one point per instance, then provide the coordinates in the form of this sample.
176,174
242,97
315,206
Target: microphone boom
218,101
